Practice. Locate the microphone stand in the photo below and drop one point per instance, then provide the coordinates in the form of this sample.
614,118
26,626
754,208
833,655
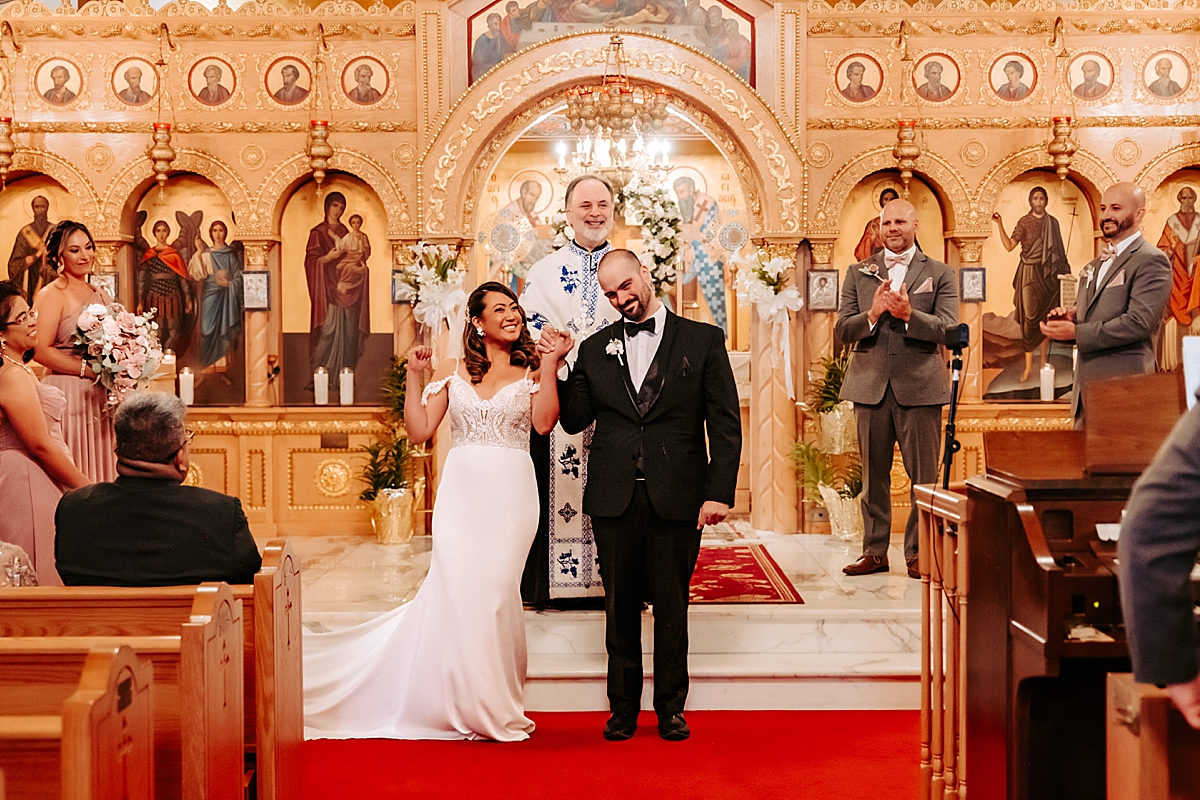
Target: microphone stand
952,444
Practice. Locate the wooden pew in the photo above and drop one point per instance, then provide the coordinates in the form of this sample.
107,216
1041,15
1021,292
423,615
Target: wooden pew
197,695
272,682
99,746
1153,754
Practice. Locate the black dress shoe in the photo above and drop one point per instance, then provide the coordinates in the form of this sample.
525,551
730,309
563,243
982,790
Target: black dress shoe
914,568
867,564
620,727
673,728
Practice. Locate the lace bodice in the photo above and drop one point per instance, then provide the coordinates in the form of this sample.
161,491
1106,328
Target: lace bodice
502,421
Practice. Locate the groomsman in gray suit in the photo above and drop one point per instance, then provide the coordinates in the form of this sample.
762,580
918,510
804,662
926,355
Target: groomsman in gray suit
895,309
1120,302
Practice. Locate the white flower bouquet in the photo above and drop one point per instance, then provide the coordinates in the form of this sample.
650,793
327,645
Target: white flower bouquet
433,284
121,348
763,284
661,222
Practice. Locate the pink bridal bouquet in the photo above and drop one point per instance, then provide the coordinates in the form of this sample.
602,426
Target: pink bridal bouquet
120,347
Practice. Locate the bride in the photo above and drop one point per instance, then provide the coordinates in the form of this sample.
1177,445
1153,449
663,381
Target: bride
450,664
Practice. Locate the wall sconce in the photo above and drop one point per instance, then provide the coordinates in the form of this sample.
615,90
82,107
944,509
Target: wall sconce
906,151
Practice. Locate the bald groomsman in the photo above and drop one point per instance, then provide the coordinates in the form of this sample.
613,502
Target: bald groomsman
896,307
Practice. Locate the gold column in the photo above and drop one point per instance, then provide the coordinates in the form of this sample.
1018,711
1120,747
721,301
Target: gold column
774,501
970,254
258,340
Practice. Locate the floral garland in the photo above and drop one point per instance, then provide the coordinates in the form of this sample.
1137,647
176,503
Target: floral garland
433,284
763,284
661,223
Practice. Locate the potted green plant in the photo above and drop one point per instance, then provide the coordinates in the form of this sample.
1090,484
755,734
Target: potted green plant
836,433
392,490
837,485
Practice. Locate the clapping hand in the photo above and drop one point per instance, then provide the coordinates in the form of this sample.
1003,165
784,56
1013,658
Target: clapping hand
420,359
898,304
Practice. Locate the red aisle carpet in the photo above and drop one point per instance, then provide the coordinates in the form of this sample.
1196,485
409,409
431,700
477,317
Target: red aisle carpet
743,573
755,755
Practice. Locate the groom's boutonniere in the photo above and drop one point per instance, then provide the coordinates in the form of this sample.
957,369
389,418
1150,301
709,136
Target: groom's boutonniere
616,348
870,269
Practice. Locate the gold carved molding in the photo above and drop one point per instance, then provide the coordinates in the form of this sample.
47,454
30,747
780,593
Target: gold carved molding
347,126
282,427
333,477
1002,123
1167,162
333,471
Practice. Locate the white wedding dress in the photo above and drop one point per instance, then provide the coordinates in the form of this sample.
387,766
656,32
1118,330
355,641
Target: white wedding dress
450,664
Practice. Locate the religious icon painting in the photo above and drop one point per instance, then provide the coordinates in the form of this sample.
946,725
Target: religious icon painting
1165,76
858,78
823,290
59,82
1013,77
134,81
972,285
936,77
256,290
288,81
365,80
212,81
1091,77
399,287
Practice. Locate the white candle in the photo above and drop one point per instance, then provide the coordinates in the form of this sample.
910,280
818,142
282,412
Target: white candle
1047,382
168,357
187,386
346,387
321,386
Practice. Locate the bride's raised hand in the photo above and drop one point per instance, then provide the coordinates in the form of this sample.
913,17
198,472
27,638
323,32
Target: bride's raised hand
420,359
563,347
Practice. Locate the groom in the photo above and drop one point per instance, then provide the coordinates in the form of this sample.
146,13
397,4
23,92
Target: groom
654,384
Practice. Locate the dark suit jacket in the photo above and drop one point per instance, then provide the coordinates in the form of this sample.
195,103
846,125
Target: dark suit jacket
150,532
1116,322
909,359
1160,538
688,390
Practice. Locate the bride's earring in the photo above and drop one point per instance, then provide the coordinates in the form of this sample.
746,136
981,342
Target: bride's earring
479,330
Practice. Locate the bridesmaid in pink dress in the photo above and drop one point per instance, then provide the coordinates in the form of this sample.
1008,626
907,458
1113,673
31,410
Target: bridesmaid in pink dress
35,464
87,426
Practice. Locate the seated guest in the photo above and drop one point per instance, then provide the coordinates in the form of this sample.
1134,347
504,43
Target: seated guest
146,528
35,464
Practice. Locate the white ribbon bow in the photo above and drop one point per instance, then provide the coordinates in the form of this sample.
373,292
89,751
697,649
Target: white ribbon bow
777,311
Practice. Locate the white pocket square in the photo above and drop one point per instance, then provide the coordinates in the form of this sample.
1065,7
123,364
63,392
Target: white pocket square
1118,280
925,287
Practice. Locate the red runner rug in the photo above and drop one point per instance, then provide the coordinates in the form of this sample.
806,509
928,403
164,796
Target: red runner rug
732,755
740,574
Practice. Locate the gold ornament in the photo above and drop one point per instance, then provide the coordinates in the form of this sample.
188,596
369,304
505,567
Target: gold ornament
1061,147
162,154
8,148
906,151
319,150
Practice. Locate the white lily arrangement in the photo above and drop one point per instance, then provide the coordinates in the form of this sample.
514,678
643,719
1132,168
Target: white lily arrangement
433,284
763,284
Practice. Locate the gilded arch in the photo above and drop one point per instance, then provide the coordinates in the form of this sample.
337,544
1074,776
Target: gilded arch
136,172
273,195
1085,165
947,180
488,117
32,159
1166,163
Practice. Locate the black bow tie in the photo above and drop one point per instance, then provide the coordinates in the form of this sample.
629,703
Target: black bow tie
634,328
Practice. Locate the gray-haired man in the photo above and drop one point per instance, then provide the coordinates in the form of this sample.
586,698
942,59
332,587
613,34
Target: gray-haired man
146,528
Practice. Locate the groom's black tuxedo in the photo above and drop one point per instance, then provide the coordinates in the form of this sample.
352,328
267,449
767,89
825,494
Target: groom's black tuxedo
688,388
650,469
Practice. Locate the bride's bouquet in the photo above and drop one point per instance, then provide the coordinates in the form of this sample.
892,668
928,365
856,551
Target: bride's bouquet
120,347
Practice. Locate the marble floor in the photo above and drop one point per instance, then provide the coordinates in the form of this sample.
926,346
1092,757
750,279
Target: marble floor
347,577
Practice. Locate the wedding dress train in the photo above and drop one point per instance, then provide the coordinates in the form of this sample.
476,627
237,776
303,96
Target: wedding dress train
450,664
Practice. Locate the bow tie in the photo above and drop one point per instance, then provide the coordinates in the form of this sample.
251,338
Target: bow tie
1108,252
634,328
891,259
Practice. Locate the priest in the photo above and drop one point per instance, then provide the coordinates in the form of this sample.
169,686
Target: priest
561,291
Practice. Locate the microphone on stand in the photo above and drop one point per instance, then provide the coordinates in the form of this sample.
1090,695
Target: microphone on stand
956,339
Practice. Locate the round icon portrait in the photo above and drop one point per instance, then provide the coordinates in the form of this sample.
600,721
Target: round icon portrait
134,81
1013,77
59,81
365,80
288,80
1090,76
859,77
936,77
1166,75
212,81
531,193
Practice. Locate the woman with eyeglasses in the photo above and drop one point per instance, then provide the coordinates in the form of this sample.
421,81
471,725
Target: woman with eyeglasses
87,426
35,464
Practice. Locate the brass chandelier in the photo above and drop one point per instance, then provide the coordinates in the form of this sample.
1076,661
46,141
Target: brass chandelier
615,108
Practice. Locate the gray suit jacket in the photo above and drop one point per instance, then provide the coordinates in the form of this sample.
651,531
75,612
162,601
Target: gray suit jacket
1160,538
910,360
1117,321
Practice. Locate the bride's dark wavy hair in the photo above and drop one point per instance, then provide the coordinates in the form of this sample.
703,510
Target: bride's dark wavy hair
57,238
524,349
